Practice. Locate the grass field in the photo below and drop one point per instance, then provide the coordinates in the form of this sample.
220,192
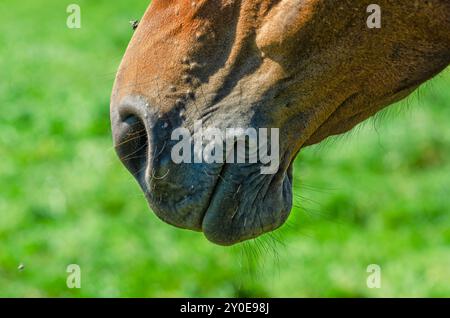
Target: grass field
378,195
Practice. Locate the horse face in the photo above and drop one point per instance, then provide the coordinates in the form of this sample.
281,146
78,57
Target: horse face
308,68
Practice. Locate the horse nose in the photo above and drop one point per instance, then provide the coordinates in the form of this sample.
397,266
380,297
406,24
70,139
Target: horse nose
140,136
132,146
131,141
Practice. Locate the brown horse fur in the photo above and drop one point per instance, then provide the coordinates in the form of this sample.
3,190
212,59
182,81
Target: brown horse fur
312,68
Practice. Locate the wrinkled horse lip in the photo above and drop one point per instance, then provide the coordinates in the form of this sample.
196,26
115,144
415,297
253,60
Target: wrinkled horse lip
218,223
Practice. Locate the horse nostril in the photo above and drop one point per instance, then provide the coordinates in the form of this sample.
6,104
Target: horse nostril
132,145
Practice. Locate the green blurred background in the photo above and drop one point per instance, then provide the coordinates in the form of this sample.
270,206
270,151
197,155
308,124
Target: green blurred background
377,195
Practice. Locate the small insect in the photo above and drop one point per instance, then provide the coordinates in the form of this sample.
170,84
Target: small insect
134,24
21,267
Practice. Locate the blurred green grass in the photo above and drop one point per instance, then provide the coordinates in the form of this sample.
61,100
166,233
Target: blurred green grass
379,194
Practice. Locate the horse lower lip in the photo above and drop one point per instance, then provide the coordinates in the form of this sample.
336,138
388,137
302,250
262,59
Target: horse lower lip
229,219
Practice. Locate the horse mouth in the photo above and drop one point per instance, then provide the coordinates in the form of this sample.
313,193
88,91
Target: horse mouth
240,205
